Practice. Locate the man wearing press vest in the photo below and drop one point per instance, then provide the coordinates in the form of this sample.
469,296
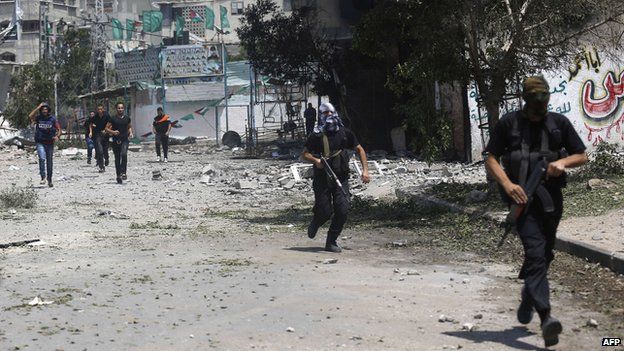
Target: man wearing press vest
534,142
47,131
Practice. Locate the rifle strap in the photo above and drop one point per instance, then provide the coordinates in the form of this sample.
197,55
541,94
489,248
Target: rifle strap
326,151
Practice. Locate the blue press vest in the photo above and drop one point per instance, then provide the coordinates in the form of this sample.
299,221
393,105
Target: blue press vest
45,129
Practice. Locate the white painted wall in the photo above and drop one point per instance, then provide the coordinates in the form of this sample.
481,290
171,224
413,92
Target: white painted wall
590,92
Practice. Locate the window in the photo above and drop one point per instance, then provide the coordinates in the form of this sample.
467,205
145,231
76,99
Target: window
31,26
238,7
7,56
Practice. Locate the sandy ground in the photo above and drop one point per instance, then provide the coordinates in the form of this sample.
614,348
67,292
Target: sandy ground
169,270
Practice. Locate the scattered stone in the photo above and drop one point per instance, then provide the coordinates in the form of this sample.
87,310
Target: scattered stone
208,170
478,316
592,323
597,183
330,261
290,329
597,237
444,318
12,211
245,184
355,337
412,272
476,196
72,151
156,175
205,179
37,301
469,327
399,243
401,170
13,168
289,185
466,281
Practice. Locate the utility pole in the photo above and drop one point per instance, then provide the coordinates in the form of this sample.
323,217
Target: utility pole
98,54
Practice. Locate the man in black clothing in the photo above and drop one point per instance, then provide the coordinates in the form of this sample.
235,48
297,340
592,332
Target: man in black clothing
99,136
310,118
161,128
88,139
331,141
120,128
522,139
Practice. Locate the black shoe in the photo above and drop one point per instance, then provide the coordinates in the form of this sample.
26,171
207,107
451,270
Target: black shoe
525,310
102,169
551,328
124,177
88,161
333,248
119,181
50,184
106,162
312,229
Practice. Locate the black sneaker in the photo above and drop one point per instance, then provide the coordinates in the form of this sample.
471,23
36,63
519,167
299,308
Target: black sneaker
333,248
88,161
312,229
124,177
525,310
50,184
102,170
551,328
119,181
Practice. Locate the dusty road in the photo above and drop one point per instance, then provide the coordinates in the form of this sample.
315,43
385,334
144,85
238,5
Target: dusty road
181,265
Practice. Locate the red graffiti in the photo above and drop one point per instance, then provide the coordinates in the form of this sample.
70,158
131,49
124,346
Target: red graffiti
615,124
600,108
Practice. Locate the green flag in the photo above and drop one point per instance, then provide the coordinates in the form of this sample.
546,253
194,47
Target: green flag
224,20
129,29
152,21
180,22
188,117
117,29
210,18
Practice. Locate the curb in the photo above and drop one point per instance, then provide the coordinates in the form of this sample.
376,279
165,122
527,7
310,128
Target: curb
611,260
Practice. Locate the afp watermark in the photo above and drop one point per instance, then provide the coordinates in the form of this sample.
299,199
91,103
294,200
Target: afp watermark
611,341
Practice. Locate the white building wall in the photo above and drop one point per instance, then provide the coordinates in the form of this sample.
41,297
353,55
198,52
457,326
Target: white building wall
589,92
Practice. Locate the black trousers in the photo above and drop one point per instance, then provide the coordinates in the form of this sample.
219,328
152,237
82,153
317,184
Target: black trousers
330,200
309,125
162,139
101,148
120,150
537,231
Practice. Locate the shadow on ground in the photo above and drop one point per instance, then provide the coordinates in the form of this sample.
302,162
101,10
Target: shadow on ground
508,337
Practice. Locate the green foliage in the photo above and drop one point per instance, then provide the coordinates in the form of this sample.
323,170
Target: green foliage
285,47
29,86
34,84
605,162
17,197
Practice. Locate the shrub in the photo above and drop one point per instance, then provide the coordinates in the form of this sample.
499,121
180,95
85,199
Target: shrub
16,197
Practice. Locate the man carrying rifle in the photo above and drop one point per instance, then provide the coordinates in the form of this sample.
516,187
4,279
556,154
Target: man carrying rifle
327,146
528,140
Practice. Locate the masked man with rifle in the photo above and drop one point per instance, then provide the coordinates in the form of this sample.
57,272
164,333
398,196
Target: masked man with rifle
536,147
327,148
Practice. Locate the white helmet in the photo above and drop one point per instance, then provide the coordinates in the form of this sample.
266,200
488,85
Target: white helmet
327,106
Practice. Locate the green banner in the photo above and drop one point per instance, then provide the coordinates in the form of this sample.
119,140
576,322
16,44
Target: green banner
117,29
225,23
129,29
152,21
180,22
210,18
188,117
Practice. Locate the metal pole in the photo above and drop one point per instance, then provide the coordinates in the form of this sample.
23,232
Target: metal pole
252,92
162,79
225,86
56,95
217,124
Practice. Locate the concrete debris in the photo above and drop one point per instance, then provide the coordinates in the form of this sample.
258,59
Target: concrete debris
478,316
476,196
600,183
111,214
245,184
37,301
12,211
208,170
135,148
412,272
72,151
444,318
157,175
205,179
18,243
592,323
289,185
290,329
330,261
399,243
469,327
13,168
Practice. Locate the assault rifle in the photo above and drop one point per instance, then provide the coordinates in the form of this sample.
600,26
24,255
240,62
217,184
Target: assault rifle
531,187
332,176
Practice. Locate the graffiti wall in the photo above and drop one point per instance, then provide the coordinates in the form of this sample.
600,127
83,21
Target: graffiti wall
590,92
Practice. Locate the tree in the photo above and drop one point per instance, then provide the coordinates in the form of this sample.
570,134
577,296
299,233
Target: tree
491,42
34,84
286,47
